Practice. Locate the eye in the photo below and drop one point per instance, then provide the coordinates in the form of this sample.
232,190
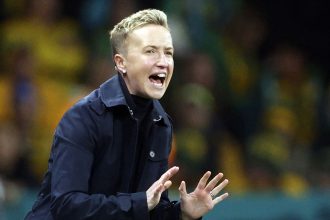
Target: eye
169,53
151,50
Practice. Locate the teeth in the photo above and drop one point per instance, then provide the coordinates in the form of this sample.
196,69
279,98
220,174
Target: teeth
161,75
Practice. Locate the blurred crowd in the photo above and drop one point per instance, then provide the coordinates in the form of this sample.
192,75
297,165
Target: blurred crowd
260,116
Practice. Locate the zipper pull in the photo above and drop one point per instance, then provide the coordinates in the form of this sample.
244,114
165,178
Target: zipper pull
157,119
130,111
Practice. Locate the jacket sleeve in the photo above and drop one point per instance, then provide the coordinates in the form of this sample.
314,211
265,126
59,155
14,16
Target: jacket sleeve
166,210
73,146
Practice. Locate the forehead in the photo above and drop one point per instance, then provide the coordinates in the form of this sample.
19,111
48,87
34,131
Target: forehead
155,35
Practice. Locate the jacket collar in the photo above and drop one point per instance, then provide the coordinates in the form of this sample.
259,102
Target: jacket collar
114,92
111,92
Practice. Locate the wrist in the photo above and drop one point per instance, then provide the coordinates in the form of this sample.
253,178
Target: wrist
184,216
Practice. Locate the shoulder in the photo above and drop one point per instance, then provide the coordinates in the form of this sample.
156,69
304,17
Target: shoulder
84,113
85,122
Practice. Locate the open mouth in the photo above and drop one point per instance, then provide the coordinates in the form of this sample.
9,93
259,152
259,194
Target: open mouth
157,79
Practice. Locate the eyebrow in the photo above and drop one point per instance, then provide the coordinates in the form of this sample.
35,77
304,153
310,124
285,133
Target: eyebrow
156,47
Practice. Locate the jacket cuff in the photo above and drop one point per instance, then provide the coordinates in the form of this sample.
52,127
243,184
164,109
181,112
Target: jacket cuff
140,206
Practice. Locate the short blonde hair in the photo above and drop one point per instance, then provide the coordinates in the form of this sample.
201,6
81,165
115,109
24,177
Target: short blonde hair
119,33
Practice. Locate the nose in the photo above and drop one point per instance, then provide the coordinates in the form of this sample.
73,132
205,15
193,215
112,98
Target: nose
163,60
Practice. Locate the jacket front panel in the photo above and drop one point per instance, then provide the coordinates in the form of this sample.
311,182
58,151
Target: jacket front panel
101,132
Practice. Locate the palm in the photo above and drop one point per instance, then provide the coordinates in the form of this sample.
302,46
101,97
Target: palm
198,202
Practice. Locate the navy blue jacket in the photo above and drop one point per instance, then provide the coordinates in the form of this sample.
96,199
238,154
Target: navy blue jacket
92,162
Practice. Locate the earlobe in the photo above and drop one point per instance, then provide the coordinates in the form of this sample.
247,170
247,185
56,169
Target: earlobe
120,63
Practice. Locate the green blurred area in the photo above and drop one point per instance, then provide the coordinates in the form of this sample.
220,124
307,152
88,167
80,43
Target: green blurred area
250,96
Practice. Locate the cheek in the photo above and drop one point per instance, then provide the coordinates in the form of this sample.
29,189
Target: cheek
148,63
171,65
171,68
141,67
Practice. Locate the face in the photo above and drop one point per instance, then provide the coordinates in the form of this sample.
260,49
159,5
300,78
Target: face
148,61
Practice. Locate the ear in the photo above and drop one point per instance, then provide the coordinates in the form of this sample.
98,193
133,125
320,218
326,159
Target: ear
120,63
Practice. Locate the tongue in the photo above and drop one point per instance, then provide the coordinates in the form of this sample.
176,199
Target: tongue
155,79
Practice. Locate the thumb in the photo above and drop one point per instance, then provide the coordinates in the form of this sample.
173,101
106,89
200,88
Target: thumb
182,189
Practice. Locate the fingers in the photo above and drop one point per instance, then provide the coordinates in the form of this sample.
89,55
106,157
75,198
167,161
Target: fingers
167,184
202,182
220,198
213,183
153,195
158,187
168,174
222,185
183,189
213,187
164,183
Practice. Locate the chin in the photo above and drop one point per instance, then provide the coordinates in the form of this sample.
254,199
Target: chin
156,95
152,93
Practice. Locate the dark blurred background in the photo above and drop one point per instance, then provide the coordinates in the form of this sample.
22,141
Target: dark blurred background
250,95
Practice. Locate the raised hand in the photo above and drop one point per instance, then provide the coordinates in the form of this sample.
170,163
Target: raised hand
158,187
203,198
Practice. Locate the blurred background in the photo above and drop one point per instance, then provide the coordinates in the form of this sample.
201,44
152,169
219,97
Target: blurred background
250,96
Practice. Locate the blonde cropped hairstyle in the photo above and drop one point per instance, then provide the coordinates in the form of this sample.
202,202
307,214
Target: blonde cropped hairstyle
119,33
